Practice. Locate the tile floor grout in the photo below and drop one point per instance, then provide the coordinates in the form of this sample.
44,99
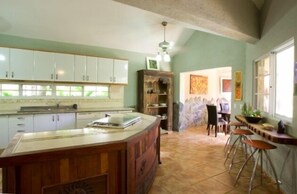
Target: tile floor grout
199,162
193,163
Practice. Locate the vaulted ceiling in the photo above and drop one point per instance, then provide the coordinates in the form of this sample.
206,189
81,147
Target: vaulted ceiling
130,25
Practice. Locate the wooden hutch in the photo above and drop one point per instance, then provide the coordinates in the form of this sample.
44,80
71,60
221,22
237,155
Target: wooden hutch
155,95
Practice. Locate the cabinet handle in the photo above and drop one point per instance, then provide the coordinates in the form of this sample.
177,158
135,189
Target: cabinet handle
21,131
142,168
12,74
20,118
58,118
53,118
114,79
87,78
6,74
56,76
52,76
20,124
83,77
110,79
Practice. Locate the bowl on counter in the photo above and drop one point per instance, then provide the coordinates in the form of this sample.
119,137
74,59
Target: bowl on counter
251,119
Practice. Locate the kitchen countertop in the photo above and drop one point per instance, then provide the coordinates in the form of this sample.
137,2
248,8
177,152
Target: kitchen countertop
26,143
79,110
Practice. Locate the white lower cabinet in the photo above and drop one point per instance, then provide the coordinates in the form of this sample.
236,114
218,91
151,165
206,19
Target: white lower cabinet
19,124
65,121
3,131
51,122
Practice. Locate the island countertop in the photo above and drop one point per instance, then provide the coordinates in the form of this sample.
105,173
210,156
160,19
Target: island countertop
26,143
106,160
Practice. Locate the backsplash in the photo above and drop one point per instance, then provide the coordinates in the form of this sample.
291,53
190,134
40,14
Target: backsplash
116,100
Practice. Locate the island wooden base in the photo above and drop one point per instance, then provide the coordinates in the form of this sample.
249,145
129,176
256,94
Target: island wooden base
121,167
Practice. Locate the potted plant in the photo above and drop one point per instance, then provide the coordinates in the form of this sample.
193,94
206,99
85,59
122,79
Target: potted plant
250,114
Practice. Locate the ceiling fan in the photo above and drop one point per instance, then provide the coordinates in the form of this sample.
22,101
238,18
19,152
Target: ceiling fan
165,46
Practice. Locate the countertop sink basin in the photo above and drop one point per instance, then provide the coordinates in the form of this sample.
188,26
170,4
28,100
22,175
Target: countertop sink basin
47,109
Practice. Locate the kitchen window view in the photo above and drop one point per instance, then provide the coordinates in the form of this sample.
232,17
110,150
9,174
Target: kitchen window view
274,82
51,90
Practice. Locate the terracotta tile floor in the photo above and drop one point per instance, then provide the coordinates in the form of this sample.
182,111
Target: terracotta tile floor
193,163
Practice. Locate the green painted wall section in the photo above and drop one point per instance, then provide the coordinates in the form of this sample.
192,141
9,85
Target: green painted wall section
137,61
283,30
206,51
278,31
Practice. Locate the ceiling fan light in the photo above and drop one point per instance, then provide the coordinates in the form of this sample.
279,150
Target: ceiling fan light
166,57
158,57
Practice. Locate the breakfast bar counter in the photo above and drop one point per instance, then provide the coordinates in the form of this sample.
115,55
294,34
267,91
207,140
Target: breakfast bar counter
268,133
91,160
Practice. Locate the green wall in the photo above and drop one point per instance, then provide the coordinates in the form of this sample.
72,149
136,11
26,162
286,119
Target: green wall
137,61
206,51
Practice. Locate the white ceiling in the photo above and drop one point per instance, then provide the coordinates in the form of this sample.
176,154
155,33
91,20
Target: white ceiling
101,23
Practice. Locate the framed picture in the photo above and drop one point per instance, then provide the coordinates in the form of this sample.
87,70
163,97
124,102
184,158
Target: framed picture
225,85
152,63
238,86
198,84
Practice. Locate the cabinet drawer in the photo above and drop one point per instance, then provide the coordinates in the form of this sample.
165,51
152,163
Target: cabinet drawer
20,123
145,163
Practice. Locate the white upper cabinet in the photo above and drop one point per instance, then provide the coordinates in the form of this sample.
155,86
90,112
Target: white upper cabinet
64,67
80,63
44,66
85,69
91,69
112,71
4,63
120,71
21,64
105,70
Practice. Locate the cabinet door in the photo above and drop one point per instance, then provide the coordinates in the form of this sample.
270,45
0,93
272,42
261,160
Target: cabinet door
44,122
80,68
19,124
91,69
3,131
65,121
64,67
105,70
21,64
4,63
44,66
120,71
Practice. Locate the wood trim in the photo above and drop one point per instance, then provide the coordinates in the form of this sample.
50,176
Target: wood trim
272,135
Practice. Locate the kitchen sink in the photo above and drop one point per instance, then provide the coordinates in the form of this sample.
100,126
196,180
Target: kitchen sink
47,108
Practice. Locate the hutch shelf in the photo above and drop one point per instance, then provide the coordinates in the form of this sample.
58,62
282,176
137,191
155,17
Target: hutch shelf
155,93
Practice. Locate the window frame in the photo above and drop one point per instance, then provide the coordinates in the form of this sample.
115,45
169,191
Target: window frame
54,90
272,81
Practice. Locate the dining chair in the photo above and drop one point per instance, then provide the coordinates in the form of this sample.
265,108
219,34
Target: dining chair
214,121
224,107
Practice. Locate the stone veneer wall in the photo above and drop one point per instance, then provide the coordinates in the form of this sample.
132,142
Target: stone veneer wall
116,99
194,112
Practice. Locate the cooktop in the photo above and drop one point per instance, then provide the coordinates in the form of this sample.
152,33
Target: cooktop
116,121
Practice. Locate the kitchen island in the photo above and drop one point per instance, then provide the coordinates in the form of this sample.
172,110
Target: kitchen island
91,160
